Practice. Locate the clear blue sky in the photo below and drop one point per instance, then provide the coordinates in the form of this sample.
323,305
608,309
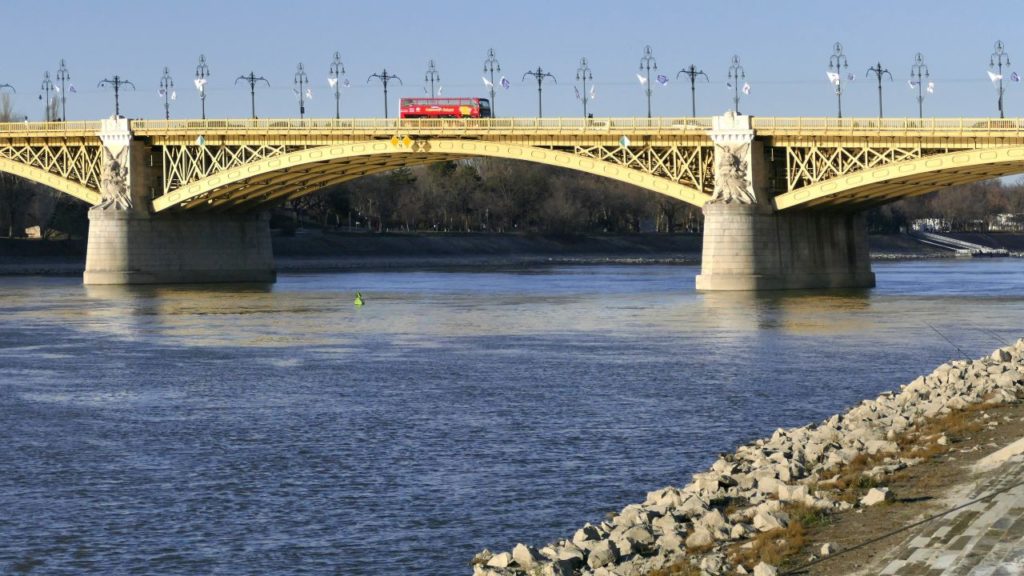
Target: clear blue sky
784,47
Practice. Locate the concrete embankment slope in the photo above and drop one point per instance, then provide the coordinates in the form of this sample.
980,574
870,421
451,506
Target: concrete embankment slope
750,512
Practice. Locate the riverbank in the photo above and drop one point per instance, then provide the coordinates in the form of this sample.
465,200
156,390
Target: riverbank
317,251
808,493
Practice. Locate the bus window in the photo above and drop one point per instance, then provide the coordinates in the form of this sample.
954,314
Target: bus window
485,108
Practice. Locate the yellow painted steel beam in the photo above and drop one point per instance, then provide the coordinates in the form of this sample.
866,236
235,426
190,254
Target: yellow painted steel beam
443,148
52,180
982,163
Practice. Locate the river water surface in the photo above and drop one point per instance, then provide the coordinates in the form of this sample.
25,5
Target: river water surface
282,431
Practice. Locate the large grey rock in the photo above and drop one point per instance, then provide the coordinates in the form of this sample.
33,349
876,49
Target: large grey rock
602,554
501,560
876,496
525,556
699,537
765,521
671,542
763,569
586,534
570,552
665,524
792,493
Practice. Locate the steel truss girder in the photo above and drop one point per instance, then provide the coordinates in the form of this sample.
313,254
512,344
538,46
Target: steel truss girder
806,165
221,177
76,165
691,166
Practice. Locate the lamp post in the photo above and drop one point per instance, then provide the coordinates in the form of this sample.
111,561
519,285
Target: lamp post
431,76
253,79
879,72
539,74
47,87
997,60
583,73
384,78
491,65
301,80
202,72
333,77
166,88
648,63
116,82
62,77
919,73
736,74
692,73
836,63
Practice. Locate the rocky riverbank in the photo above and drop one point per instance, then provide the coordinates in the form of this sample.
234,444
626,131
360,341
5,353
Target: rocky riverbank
748,513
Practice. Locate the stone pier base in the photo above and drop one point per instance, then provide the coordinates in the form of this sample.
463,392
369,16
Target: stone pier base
129,248
747,247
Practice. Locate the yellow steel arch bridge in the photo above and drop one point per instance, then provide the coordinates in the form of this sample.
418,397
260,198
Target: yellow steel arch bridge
245,165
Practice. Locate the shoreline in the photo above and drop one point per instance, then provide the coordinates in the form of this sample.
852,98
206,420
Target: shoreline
758,509
316,251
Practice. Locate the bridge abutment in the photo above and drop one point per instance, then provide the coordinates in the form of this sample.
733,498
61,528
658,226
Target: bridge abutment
748,248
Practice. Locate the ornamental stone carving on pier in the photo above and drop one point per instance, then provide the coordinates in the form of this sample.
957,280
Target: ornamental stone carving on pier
732,135
115,189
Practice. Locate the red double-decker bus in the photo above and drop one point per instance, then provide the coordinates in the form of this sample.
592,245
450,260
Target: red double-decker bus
444,108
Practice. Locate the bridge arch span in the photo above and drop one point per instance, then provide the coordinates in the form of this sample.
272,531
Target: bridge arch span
890,182
300,172
55,181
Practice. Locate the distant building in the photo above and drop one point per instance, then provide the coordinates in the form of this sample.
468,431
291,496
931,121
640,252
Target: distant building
1006,223
929,225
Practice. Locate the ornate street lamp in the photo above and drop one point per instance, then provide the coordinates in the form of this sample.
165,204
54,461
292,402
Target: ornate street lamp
919,74
583,73
253,79
540,75
693,73
997,60
431,76
491,65
202,72
879,72
62,77
116,82
167,90
384,78
648,63
333,78
301,80
836,63
47,87
736,74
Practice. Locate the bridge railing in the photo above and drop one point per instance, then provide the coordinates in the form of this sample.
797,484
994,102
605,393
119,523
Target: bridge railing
91,126
442,125
874,125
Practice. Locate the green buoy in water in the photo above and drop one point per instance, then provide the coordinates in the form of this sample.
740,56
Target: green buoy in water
359,299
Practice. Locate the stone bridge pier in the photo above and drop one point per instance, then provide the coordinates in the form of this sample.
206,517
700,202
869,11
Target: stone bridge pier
129,244
748,245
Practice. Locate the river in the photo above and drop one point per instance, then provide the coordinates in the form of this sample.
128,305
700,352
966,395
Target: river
227,430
